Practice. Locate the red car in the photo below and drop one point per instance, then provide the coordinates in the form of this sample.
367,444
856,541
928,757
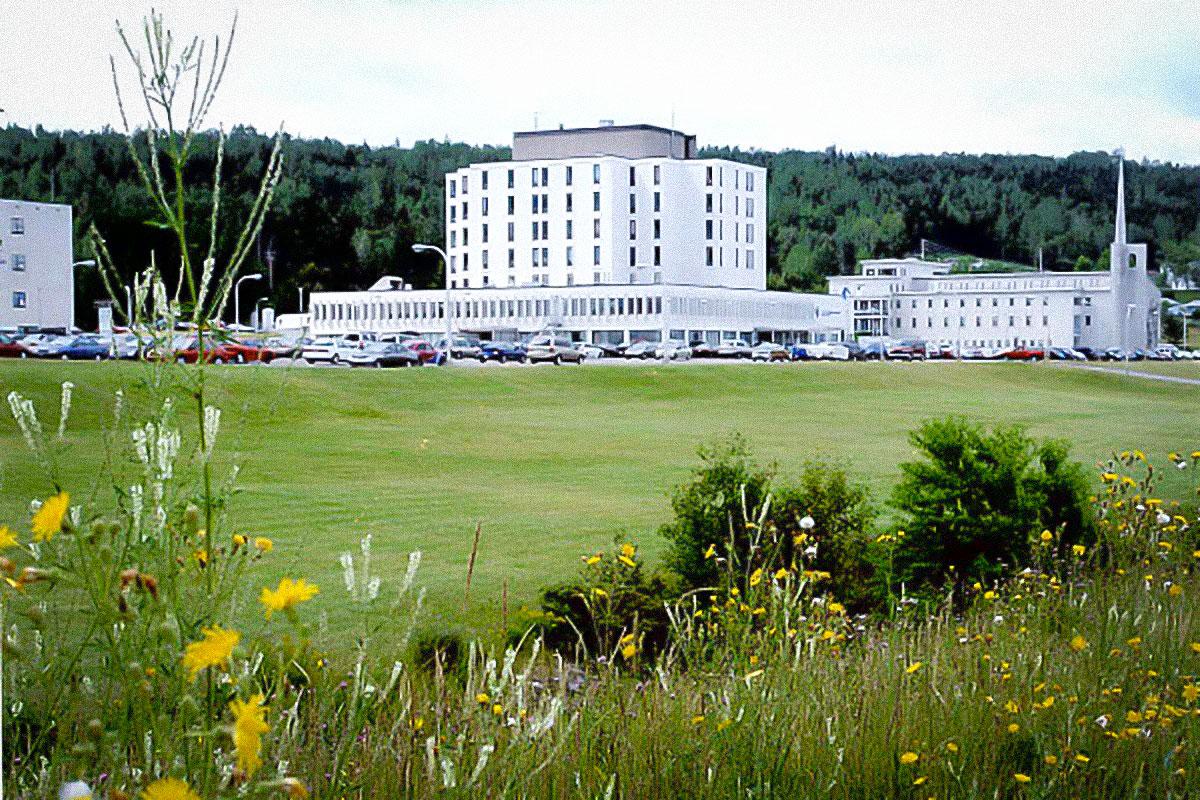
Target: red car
188,352
244,352
426,352
11,348
1023,353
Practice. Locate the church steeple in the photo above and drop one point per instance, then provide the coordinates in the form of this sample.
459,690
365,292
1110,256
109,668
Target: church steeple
1119,236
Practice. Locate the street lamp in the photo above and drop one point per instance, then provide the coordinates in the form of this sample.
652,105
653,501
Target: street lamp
258,326
429,248
237,308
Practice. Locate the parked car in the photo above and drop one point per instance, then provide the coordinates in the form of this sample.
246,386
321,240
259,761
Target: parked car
244,352
855,351
325,349
640,350
281,348
941,352
1154,355
702,349
10,347
828,351
129,345
673,350
46,345
383,354
214,352
1090,353
875,351
1117,354
907,351
501,351
86,348
1025,353
460,346
426,353
553,348
734,348
769,351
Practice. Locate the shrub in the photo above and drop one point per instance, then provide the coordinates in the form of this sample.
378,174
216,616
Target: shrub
976,499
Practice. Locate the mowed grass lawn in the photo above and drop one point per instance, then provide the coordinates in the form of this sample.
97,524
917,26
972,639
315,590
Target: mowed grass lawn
555,461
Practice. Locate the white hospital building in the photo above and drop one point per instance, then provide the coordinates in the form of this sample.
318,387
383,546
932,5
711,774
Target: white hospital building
37,287
922,300
608,234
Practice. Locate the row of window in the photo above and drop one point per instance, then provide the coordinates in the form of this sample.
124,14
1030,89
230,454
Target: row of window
540,204
540,230
540,176
715,257
478,309
962,302
962,322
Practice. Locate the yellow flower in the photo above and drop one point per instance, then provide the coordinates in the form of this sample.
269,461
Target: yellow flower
294,788
1196,647
913,667
1047,536
1021,777
1051,760
628,550
626,560
989,595
1133,717
1078,549
920,779
723,724
952,747
710,552
1078,643
591,561
629,651
1013,727
287,596
482,698
213,650
238,540
249,724
1081,758
169,789
497,709
598,592
1175,590
836,608
7,538
696,720
756,577
1191,692
780,574
49,518
264,544
908,758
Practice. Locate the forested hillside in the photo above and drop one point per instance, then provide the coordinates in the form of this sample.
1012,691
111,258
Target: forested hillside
346,214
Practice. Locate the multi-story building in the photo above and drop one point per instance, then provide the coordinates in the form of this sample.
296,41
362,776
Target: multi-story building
915,299
36,280
610,234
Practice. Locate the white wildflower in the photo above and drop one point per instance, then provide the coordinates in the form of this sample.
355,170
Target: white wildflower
64,411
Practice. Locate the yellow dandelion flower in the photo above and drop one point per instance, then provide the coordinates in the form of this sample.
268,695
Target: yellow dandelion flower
169,789
1081,758
49,518
913,667
629,651
1078,549
598,592
263,544
1175,590
1051,760
836,608
591,561
213,650
628,550
908,758
626,560
7,538
1133,717
1078,643
238,540
287,596
710,552
497,709
1047,536
952,747
920,779
1021,777
1191,692
249,724
989,595
482,698
723,724
292,787
756,577
696,720
780,574
1013,727
1196,647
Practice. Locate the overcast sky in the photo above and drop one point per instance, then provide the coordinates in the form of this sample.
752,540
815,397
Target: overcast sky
892,76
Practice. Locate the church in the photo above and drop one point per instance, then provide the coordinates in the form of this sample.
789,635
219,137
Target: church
922,300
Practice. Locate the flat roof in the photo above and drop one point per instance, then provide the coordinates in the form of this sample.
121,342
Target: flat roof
637,127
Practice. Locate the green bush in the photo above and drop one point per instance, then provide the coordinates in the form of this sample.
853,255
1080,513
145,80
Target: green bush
976,500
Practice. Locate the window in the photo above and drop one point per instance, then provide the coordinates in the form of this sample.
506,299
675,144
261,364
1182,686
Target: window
510,179
570,229
512,231
595,229
749,259
18,262
453,191
464,237
631,176
535,256
657,256
708,256
545,204
19,300
749,233
632,203
465,184
708,229
485,259
465,257
453,264
512,205
571,282
454,238
570,256
546,229
658,201
545,176
18,228
545,258
658,229
595,201
484,233
657,174
595,279
595,173
633,229
708,176
633,256
483,209
535,173
570,176
708,205
570,203
512,258
536,228
536,202
750,207
483,185
596,260
454,213
749,181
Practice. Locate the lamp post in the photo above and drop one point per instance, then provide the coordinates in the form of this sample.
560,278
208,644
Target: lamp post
258,326
128,304
429,248
237,308
1125,331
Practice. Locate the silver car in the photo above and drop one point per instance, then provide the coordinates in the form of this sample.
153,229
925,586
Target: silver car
555,349
673,350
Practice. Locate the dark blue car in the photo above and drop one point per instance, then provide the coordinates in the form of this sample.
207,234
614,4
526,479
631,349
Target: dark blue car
501,351
85,347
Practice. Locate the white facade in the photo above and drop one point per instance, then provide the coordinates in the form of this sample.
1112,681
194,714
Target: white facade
37,286
613,234
921,300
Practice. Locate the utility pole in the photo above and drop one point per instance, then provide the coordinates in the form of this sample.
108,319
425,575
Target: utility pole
271,266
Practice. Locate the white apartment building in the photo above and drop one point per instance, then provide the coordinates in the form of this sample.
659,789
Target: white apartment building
37,286
922,300
611,234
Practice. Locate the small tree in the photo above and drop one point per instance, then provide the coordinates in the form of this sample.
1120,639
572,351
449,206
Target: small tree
976,499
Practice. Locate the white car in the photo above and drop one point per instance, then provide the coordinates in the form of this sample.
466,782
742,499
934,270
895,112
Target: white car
828,351
335,351
673,350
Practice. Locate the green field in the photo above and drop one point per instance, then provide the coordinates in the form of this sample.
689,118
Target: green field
555,461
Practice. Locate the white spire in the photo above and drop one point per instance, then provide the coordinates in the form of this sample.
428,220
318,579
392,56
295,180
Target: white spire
1119,236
